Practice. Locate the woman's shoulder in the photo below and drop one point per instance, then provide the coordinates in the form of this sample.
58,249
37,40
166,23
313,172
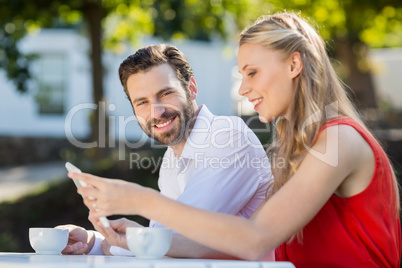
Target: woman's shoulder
348,137
354,154
348,131
341,146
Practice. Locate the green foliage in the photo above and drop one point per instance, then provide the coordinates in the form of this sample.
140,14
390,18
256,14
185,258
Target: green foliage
126,23
8,242
21,17
123,21
17,19
376,23
384,29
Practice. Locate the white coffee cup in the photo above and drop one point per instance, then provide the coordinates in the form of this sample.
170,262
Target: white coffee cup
148,243
48,241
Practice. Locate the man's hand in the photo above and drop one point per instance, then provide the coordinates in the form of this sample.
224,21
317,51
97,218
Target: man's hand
116,233
80,241
105,247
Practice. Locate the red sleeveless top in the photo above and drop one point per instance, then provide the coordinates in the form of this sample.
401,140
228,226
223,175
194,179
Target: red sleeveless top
359,231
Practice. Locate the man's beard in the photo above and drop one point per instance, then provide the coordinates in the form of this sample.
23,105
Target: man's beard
176,134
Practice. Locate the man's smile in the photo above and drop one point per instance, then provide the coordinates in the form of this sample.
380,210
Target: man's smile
164,124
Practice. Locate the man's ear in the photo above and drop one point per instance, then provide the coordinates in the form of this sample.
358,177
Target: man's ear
296,65
192,88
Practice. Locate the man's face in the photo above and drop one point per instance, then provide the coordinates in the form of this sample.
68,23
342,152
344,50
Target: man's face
163,107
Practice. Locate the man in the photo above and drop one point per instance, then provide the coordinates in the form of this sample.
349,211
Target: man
212,162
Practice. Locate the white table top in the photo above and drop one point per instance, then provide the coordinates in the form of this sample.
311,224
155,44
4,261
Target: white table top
32,260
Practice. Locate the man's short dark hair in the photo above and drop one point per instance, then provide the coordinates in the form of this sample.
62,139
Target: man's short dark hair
151,56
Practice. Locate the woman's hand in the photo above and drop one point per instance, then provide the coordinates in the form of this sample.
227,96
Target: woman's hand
105,197
116,233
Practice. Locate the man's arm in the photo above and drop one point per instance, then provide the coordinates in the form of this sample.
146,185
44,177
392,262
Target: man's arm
80,241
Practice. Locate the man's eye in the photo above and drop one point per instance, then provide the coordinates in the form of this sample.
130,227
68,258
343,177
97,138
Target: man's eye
166,93
140,103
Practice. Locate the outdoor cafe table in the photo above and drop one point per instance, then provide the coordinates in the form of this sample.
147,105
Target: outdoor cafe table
32,260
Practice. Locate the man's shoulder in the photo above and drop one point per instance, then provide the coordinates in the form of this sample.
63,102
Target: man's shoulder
234,127
217,122
223,134
229,123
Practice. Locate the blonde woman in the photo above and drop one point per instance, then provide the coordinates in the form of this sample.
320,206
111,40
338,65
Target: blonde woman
334,201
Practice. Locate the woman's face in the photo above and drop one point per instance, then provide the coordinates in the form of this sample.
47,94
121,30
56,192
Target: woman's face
268,80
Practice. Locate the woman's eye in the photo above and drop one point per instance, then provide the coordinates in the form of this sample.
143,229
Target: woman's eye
140,103
251,74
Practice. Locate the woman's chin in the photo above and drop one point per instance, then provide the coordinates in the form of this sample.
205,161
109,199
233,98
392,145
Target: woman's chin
263,119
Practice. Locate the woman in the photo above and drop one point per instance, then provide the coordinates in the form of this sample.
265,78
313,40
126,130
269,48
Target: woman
334,201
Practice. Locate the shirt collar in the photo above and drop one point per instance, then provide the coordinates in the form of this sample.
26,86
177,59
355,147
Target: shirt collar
200,134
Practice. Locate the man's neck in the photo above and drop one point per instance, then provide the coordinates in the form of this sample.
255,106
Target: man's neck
178,147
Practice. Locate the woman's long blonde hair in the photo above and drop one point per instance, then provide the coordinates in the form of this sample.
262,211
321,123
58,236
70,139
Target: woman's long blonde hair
318,88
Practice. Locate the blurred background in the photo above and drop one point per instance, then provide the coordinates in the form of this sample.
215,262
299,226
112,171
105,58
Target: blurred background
61,99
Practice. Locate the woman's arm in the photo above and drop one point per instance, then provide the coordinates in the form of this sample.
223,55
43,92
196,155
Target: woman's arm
181,246
289,210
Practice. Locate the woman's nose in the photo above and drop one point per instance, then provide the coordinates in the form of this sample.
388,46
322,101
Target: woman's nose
244,89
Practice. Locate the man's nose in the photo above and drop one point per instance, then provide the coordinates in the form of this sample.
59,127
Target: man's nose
158,110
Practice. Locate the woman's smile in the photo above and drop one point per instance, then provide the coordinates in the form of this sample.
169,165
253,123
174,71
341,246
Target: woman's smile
256,103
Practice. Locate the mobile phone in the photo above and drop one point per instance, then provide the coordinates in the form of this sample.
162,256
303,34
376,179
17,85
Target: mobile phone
71,168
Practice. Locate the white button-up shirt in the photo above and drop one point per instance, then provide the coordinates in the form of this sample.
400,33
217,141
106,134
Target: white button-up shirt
223,168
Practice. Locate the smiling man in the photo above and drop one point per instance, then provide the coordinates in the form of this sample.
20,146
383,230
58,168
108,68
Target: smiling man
164,112
212,162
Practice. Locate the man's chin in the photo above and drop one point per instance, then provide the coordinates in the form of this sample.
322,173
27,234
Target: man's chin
168,141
